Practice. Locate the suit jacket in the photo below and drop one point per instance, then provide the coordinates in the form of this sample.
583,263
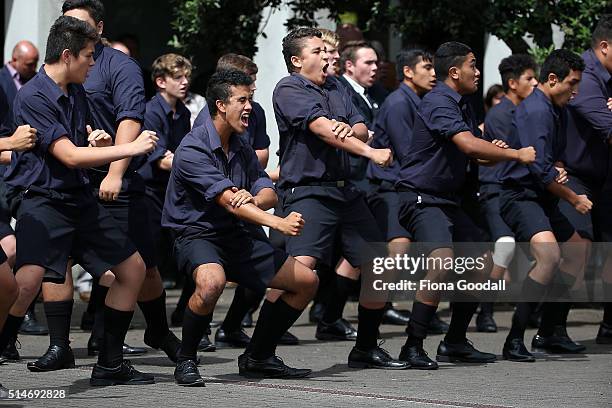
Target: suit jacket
369,114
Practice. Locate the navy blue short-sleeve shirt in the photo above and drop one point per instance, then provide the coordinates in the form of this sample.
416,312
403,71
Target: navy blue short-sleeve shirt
431,163
497,126
42,104
200,172
306,158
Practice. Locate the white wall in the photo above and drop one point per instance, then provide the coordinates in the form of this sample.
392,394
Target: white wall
29,20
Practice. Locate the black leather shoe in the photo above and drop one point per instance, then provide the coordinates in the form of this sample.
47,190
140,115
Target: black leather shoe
31,325
10,352
247,320
176,318
93,349
205,344
462,353
485,323
272,367
235,339
315,314
125,374
288,339
338,330
559,342
374,358
515,350
55,358
3,360
437,325
187,374
396,317
417,358
87,321
169,345
604,335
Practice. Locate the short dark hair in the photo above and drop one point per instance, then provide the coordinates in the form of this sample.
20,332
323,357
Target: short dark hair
512,67
492,92
410,58
293,43
561,63
349,52
68,33
95,8
219,85
603,30
238,62
448,55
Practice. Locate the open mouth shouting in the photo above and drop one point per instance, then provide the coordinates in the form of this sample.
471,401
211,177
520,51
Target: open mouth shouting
244,119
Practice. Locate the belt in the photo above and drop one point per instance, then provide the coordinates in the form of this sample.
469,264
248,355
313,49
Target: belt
384,184
337,183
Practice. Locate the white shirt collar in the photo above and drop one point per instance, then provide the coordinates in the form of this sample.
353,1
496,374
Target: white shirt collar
358,88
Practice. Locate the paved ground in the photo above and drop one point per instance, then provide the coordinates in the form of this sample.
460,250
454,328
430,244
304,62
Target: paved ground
553,381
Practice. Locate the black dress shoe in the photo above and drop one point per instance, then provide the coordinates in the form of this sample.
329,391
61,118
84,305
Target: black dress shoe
437,325
187,374
169,345
559,342
417,358
515,350
338,330
176,318
93,349
288,339
604,335
125,374
205,344
374,358
315,314
3,360
485,323
55,358
10,352
396,317
31,326
247,320
235,339
272,367
463,353
87,321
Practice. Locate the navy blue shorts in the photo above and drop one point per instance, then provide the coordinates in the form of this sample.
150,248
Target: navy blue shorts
5,213
385,206
493,222
130,210
332,213
528,213
439,223
53,226
247,257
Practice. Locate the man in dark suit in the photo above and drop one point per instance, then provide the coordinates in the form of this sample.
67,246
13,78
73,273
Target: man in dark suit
19,69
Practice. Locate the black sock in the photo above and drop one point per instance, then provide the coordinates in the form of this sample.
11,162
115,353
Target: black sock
154,312
486,308
367,331
335,305
419,322
275,323
194,326
116,325
244,300
97,330
91,305
554,313
327,284
607,291
532,291
186,292
58,319
9,331
460,320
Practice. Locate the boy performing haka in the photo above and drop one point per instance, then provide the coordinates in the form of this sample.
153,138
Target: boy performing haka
216,185
58,216
529,196
318,125
433,172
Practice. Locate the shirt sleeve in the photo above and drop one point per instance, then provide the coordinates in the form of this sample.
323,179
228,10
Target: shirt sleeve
196,168
128,91
261,140
298,106
444,118
42,116
258,178
536,129
153,121
591,105
399,122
